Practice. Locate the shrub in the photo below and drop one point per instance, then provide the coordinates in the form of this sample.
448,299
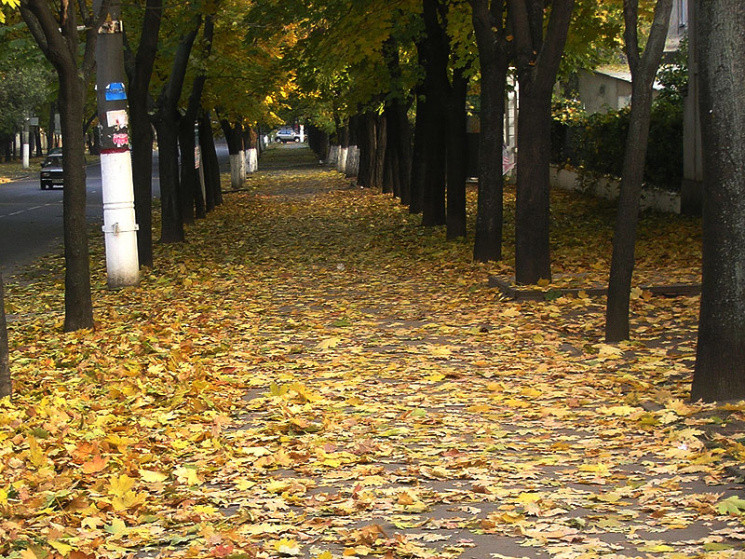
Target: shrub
596,142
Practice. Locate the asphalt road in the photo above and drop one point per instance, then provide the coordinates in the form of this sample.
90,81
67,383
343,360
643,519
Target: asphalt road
31,218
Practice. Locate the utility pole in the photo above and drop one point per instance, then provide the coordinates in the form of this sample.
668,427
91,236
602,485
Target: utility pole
120,229
25,148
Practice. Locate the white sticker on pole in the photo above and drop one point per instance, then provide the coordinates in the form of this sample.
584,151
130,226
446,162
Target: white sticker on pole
117,119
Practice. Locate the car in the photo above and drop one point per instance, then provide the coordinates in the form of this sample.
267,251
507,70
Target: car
287,134
51,171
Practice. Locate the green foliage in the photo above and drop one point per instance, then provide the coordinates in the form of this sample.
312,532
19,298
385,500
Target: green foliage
596,142
673,76
26,80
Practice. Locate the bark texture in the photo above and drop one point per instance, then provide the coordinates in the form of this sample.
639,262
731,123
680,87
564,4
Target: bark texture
720,355
490,32
457,156
643,70
537,60
141,130
436,56
166,122
59,42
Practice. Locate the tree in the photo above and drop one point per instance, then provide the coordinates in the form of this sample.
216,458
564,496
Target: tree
435,50
166,122
491,37
56,33
192,201
720,356
140,71
643,68
538,49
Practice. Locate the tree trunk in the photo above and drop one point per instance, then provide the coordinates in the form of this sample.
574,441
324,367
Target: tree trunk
493,57
210,162
436,86
78,304
378,160
166,121
6,387
532,252
392,166
643,71
720,355
537,64
418,161
58,44
142,132
457,156
189,177
367,149
172,222
235,144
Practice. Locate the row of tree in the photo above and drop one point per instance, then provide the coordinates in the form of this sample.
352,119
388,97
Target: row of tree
360,71
370,65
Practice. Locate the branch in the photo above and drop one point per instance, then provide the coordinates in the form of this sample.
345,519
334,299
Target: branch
657,34
630,33
518,16
46,31
552,49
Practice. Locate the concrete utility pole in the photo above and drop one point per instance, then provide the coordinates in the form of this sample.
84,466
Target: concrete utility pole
120,229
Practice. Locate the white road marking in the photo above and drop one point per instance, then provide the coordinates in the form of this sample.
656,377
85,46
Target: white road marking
32,208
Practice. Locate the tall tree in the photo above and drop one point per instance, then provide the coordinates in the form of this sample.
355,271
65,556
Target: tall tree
643,66
492,39
435,58
538,51
166,122
720,355
140,72
56,32
192,201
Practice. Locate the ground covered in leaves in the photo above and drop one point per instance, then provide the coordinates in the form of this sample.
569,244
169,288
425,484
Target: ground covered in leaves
315,375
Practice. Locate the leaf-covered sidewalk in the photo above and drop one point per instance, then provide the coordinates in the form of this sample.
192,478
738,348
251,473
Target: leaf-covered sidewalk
315,375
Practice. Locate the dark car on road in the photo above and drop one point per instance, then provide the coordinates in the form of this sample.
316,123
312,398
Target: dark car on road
51,171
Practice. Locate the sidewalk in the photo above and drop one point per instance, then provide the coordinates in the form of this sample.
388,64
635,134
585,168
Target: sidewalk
315,375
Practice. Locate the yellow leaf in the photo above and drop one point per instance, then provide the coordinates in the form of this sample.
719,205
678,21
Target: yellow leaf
62,548
121,485
287,547
325,555
187,475
526,498
149,476
35,454
619,411
440,351
600,469
329,343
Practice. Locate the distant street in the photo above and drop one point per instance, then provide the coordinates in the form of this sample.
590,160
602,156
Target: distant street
31,218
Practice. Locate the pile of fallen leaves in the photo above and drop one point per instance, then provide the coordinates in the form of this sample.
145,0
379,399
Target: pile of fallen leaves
315,375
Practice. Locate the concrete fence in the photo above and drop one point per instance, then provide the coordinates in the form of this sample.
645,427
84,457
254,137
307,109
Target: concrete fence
609,188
